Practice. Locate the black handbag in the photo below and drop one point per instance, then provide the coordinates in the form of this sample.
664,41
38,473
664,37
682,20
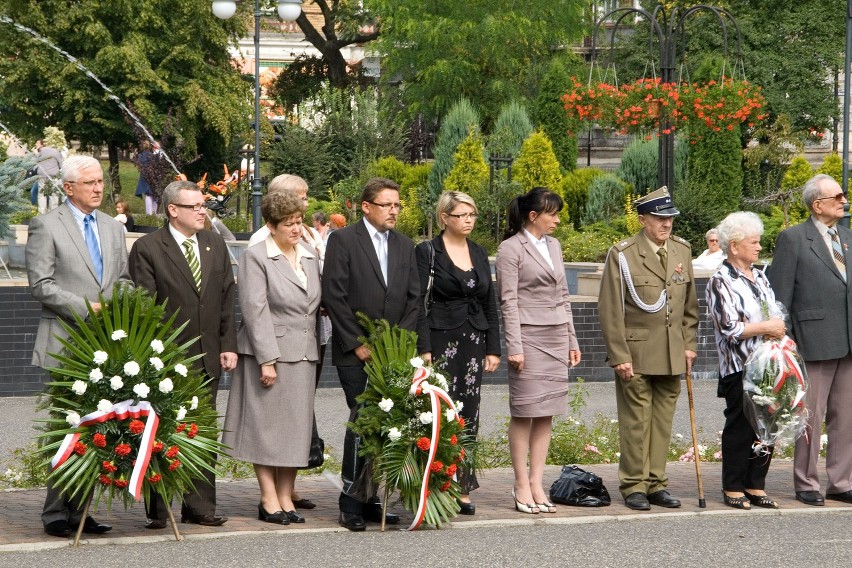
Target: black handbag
316,456
580,488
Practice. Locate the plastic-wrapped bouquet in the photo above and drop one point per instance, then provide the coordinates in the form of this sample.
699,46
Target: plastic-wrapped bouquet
774,387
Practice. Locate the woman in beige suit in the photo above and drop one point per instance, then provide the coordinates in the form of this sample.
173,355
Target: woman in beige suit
540,340
271,405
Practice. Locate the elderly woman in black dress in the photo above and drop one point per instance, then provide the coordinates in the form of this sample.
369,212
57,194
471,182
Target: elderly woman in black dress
461,332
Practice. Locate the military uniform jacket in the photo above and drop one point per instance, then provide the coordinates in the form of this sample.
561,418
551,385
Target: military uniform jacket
653,342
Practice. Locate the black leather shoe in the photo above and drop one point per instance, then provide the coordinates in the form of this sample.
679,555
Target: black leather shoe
58,528
814,498
294,517
276,518
155,524
637,501
467,508
373,513
304,504
204,520
352,521
91,526
846,496
663,499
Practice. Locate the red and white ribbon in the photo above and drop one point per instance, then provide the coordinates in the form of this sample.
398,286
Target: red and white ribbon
419,386
120,411
783,352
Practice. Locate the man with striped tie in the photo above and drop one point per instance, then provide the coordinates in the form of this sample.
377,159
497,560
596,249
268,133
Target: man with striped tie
810,276
189,268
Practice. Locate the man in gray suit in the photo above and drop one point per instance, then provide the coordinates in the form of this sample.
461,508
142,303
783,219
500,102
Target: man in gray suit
74,253
369,268
810,276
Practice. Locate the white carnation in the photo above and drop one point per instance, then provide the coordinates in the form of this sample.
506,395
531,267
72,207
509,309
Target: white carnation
166,386
104,405
95,375
79,387
459,405
450,415
116,383
118,334
141,390
394,434
426,417
157,346
100,357
72,418
386,404
131,368
156,363
180,369
442,382
181,414
417,362
194,403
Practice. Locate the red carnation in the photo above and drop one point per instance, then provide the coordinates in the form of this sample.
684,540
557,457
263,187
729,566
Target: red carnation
423,443
105,480
173,451
461,421
136,427
436,467
445,486
109,467
99,440
181,427
454,440
174,465
155,478
193,430
121,483
122,450
451,470
157,448
80,448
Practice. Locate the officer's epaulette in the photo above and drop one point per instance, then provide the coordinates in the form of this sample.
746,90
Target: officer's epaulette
684,242
621,245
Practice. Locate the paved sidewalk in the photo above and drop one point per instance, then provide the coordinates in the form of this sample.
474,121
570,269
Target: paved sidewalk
21,524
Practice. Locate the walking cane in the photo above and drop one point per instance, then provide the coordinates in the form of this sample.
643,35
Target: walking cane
701,502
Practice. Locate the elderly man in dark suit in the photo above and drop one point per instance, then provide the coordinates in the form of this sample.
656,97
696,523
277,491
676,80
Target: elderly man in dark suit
811,277
648,310
189,268
74,253
369,268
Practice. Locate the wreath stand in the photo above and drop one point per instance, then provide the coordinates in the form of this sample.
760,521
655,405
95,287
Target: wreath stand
76,544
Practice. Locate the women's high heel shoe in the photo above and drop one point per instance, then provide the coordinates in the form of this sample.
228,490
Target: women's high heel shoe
546,507
741,502
528,508
278,517
761,501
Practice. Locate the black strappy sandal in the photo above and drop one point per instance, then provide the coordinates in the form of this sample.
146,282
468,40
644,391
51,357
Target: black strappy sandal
761,501
741,502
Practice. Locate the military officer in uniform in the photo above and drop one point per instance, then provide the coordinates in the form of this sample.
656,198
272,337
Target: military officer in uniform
648,311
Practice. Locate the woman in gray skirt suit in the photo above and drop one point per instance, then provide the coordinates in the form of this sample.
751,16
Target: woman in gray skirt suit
271,405
541,344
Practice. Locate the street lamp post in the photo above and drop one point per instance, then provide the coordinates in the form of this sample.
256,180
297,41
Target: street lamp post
669,30
288,10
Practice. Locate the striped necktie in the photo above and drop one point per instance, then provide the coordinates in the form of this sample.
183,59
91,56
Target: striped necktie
837,252
192,260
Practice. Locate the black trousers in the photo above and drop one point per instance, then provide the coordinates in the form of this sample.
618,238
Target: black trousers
355,471
741,468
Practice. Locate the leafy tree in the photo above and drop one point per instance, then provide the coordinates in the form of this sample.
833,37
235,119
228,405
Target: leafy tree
470,172
512,127
156,56
549,111
446,50
302,153
537,164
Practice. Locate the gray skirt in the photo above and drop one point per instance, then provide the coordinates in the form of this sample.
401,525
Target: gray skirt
541,388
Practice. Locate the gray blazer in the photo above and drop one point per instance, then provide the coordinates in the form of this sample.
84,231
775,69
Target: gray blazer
279,314
805,279
62,276
529,291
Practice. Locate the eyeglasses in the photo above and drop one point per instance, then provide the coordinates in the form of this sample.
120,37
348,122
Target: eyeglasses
712,240
388,206
464,216
89,183
195,208
838,197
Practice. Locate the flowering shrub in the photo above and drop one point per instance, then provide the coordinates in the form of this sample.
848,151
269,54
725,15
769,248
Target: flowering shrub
638,106
411,436
127,409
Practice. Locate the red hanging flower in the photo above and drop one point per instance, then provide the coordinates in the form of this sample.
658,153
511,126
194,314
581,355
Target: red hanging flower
423,444
436,467
121,483
193,430
181,427
174,465
105,480
80,448
155,478
109,467
454,440
99,440
157,447
446,486
451,470
461,421
136,427
122,450
173,451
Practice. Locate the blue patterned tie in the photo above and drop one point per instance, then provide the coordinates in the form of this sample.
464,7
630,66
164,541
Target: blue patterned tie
92,244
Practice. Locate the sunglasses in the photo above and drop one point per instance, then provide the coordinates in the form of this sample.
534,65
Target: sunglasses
838,197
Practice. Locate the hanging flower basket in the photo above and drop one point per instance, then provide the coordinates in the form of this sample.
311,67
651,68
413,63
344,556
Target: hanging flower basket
641,105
